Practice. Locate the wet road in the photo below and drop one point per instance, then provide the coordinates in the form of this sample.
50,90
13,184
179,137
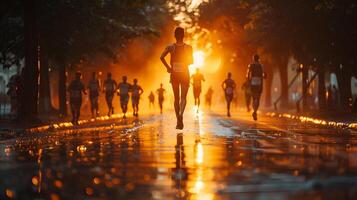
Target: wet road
212,158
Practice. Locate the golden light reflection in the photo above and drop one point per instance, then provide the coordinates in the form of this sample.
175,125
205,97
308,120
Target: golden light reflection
199,154
311,120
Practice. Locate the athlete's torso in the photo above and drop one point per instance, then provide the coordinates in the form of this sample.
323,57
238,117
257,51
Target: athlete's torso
124,88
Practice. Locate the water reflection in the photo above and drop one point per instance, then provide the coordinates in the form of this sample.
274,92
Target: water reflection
153,162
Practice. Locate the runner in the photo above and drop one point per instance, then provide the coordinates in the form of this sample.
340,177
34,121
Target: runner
124,89
160,92
181,58
136,91
110,87
94,88
247,94
197,79
75,93
229,86
255,77
208,97
151,99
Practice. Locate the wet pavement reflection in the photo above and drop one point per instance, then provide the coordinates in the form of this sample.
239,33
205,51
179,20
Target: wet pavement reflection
212,158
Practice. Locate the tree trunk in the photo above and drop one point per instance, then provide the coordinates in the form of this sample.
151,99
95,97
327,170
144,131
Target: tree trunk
45,105
321,89
283,71
268,85
30,75
62,95
305,79
344,85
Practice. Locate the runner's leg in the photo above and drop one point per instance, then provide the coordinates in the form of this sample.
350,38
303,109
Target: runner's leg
184,90
175,88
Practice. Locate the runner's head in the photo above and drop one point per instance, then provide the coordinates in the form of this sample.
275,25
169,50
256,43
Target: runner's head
135,81
109,75
197,70
161,85
256,58
78,75
229,75
179,34
125,79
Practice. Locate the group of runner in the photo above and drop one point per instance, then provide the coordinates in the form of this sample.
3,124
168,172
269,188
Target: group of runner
181,57
124,90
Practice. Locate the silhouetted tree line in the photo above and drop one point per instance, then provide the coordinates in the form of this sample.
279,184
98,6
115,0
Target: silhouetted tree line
66,33
319,34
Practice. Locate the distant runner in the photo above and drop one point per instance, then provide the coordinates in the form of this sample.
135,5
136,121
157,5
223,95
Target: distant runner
76,88
229,86
110,86
124,89
247,94
181,58
151,98
197,79
208,97
136,91
255,77
160,93
94,88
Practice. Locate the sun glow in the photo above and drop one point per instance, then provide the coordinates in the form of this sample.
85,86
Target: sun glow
198,60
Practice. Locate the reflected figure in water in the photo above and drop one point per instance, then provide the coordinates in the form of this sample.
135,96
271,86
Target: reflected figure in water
255,75
136,92
181,57
228,87
75,89
110,86
160,93
180,174
94,88
124,89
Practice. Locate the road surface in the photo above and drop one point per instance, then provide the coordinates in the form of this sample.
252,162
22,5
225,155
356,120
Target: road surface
214,157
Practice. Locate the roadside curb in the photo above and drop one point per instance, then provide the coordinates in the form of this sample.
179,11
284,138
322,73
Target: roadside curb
312,120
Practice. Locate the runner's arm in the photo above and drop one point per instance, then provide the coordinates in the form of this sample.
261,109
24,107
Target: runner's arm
248,76
163,60
141,91
223,85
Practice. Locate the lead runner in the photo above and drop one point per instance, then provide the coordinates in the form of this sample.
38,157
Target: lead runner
181,58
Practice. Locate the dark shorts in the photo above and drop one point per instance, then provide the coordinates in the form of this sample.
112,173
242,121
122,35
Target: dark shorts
76,102
182,78
229,97
196,92
135,100
124,99
93,94
256,91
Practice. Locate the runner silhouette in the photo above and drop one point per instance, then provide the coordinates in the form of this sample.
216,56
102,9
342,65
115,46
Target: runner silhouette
136,92
76,88
208,97
124,89
197,79
255,77
160,93
151,98
94,88
110,86
181,58
229,86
